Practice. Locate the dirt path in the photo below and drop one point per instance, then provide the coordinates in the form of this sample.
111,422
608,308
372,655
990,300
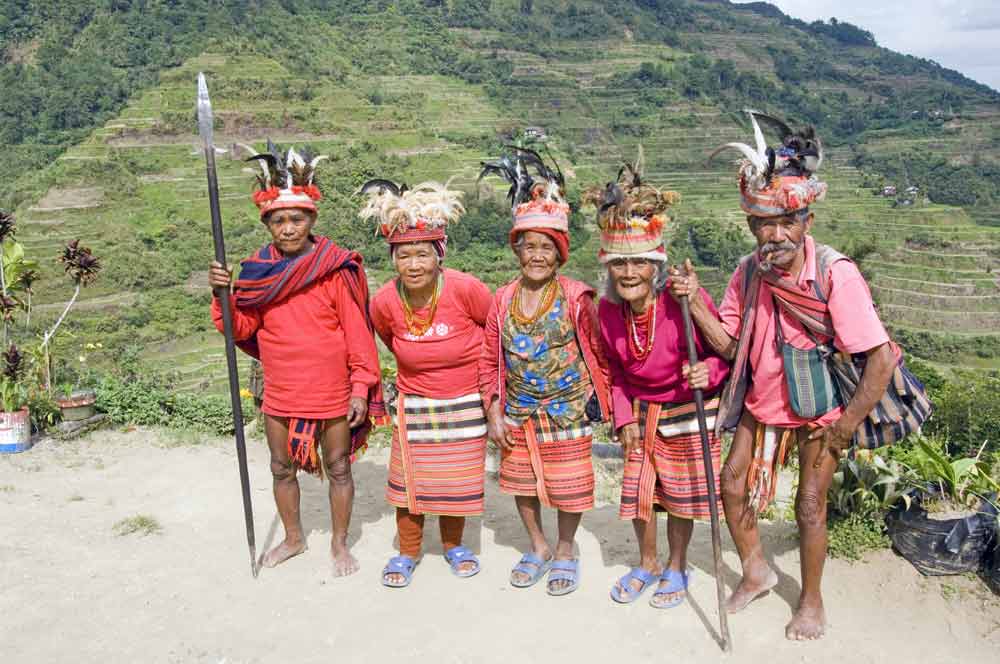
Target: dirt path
74,591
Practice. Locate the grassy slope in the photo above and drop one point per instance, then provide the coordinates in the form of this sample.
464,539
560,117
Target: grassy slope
151,223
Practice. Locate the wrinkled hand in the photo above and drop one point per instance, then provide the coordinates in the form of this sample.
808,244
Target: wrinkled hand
496,429
630,438
834,438
697,376
356,411
683,281
219,276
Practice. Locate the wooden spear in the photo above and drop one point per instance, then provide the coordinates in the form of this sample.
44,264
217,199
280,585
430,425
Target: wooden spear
205,128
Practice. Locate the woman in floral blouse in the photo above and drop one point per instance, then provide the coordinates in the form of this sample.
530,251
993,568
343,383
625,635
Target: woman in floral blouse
543,378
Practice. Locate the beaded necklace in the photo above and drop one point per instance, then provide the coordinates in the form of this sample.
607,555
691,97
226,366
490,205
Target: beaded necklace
639,350
418,325
545,303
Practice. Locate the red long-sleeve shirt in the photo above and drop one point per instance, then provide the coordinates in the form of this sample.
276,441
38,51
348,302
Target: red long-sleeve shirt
310,369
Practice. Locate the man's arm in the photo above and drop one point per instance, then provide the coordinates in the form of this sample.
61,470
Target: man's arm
837,436
686,285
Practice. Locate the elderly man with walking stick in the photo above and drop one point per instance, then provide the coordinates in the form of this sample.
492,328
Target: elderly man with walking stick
790,307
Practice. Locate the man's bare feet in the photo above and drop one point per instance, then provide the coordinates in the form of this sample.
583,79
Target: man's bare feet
752,585
282,552
344,563
808,624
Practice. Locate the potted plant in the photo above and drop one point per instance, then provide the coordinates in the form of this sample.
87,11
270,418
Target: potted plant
77,404
82,267
950,523
75,397
15,420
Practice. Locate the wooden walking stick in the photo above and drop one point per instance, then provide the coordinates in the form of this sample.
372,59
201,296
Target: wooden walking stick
205,128
713,499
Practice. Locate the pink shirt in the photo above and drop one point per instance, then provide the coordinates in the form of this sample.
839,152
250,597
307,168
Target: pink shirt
857,325
657,377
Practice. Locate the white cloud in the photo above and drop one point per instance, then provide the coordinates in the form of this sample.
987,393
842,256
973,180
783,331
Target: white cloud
960,35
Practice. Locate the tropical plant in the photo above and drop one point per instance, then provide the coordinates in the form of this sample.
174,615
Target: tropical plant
869,485
16,272
962,479
13,393
82,267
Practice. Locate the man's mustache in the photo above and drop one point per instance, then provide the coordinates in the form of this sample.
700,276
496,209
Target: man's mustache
772,247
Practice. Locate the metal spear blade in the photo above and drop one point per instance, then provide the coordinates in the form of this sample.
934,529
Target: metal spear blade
205,121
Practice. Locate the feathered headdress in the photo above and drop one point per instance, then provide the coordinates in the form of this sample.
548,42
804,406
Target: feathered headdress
780,180
537,201
631,214
420,214
286,180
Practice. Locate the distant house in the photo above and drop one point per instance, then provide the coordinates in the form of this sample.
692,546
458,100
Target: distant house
888,191
537,133
913,191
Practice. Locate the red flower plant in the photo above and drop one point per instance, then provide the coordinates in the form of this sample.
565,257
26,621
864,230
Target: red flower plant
80,263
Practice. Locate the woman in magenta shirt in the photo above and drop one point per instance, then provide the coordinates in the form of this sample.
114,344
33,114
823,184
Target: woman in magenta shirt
652,388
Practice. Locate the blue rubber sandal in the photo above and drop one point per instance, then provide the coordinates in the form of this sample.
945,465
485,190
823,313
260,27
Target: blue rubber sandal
564,570
403,565
458,555
531,566
624,593
676,582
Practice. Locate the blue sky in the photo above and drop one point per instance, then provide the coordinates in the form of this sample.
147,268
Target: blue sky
964,36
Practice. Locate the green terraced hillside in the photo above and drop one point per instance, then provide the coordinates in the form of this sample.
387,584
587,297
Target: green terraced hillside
134,188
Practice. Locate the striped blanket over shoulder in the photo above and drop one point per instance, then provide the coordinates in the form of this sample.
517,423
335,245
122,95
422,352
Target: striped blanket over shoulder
549,462
438,459
669,470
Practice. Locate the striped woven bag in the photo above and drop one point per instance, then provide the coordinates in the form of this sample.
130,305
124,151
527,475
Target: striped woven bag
904,406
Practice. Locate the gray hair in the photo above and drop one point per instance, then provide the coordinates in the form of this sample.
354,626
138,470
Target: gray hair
659,282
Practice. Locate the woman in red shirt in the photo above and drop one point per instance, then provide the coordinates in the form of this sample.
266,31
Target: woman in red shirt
297,302
431,319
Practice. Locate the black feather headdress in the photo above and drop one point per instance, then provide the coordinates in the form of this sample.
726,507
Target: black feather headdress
286,179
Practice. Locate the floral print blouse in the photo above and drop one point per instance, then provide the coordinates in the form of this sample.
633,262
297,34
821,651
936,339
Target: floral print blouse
545,368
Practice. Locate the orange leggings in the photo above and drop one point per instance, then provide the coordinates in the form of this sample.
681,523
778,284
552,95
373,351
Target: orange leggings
411,531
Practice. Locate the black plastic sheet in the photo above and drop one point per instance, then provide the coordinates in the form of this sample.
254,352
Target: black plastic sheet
941,547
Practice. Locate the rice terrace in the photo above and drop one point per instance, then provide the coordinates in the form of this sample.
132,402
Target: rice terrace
570,150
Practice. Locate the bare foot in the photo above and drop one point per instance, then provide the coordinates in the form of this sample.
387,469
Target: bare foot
808,624
282,552
752,586
344,563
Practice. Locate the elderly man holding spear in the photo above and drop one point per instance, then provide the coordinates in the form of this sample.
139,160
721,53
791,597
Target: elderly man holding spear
790,309
298,301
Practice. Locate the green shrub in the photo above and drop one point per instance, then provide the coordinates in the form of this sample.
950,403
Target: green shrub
148,401
854,535
967,413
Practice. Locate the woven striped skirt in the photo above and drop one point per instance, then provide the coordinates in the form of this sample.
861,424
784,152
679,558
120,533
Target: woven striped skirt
438,459
669,470
549,462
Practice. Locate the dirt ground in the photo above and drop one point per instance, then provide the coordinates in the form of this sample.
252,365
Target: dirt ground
72,590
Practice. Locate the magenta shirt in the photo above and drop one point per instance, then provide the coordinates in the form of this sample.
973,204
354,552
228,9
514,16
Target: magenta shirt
857,325
657,378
